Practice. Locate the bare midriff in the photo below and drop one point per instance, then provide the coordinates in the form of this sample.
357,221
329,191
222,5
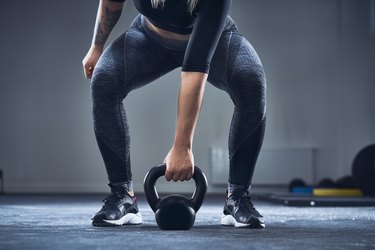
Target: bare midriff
166,33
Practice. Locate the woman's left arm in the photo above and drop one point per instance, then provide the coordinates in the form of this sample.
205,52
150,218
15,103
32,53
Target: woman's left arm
180,160
195,68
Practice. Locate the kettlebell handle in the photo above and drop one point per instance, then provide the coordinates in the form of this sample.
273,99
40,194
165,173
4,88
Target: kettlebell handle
157,171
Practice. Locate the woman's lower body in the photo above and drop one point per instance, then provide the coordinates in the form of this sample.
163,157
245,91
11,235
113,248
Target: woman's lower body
140,56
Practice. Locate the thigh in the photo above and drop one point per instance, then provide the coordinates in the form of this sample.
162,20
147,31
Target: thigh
131,61
236,67
145,60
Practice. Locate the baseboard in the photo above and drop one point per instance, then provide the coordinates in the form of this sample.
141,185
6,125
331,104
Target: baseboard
79,188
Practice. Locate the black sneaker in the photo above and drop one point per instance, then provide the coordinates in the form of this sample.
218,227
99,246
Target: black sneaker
120,208
239,211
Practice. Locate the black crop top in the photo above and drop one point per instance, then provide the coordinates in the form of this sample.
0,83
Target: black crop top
205,25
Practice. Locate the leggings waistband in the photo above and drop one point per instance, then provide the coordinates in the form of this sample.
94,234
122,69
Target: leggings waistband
139,22
165,42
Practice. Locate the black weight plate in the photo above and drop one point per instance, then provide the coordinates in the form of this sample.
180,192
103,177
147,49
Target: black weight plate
363,170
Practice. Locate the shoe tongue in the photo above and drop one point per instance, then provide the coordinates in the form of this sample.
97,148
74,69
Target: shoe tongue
120,190
237,193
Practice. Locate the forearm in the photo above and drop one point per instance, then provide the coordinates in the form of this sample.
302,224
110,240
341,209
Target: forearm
189,105
108,15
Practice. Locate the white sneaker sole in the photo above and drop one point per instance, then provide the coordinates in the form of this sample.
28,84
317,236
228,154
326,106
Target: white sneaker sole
127,219
229,220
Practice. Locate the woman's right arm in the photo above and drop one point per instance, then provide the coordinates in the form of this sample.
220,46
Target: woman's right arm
109,13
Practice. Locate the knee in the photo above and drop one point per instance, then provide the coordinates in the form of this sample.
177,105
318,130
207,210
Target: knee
104,86
108,76
105,96
249,79
248,90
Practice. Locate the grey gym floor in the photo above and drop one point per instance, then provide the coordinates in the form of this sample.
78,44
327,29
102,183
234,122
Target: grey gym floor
62,222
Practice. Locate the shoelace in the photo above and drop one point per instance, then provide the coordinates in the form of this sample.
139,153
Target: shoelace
112,199
245,201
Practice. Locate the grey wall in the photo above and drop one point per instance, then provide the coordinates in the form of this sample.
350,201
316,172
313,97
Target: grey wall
318,56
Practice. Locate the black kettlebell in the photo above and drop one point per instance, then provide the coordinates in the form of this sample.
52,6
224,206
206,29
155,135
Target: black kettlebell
174,212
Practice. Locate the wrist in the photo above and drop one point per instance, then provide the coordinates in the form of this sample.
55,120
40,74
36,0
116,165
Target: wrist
182,145
97,48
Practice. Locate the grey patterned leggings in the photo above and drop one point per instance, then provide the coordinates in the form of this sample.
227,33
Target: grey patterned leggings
139,56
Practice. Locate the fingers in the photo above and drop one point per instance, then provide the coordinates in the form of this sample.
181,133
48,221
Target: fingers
189,176
90,61
183,177
172,175
168,175
88,66
175,175
88,69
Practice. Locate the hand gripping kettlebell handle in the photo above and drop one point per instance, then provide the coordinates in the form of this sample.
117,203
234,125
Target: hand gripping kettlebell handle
157,171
